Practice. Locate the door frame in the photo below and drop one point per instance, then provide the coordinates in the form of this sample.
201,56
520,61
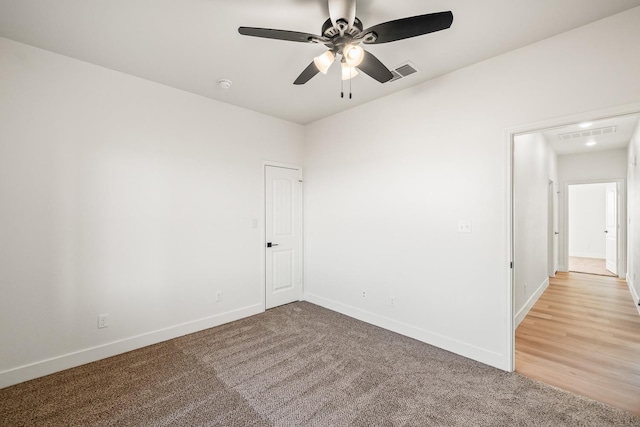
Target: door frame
263,228
621,209
552,211
509,139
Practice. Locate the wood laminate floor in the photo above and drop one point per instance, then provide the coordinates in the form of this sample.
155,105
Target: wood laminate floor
583,335
589,265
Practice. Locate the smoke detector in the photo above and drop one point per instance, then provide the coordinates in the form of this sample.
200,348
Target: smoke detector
224,83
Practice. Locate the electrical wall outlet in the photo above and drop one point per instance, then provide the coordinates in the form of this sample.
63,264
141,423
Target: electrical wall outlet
525,287
392,302
218,296
103,321
364,293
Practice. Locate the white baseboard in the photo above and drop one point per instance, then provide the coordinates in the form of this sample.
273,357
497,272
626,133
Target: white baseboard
71,360
588,255
482,355
634,293
522,313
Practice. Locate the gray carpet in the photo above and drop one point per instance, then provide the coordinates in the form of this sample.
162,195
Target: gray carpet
296,365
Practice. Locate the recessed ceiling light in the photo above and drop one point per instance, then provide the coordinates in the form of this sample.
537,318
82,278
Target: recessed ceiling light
224,83
590,143
585,125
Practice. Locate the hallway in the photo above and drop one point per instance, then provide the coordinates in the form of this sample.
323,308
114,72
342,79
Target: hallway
583,335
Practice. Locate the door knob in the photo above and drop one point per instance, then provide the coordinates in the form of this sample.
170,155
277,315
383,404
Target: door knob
606,231
269,244
556,232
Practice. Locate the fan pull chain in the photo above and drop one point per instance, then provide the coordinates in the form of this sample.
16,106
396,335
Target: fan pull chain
342,85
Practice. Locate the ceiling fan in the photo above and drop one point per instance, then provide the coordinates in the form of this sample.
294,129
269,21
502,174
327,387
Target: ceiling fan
343,33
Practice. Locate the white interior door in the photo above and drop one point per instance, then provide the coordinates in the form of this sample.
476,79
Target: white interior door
283,236
611,230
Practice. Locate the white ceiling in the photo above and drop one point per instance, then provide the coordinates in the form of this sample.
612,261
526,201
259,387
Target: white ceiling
190,44
617,134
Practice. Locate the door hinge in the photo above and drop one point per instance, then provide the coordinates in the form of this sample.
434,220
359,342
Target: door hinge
511,264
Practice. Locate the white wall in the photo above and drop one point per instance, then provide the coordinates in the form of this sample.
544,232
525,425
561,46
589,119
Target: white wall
122,196
595,166
583,168
587,220
633,209
534,165
385,192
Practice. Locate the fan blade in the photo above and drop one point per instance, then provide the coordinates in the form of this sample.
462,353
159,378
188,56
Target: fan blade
410,27
374,68
342,9
269,33
307,74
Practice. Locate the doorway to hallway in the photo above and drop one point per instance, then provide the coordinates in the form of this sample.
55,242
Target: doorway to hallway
579,150
592,226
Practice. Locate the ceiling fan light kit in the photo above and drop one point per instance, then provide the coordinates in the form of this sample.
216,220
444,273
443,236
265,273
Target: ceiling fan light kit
343,33
353,55
324,61
348,71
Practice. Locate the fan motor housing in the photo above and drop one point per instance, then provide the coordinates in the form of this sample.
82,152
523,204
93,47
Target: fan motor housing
329,31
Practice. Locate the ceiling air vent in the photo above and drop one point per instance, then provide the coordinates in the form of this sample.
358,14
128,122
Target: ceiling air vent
587,133
403,70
